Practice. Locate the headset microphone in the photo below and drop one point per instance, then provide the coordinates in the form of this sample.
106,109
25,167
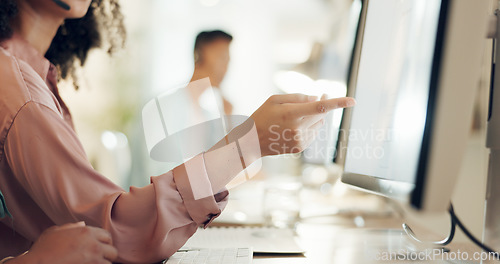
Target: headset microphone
62,4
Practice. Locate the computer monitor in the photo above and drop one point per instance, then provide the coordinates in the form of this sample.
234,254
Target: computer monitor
414,76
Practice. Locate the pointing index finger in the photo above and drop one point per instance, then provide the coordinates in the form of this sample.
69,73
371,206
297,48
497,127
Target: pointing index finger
324,106
294,98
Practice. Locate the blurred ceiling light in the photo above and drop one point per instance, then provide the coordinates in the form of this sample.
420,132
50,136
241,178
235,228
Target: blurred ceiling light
113,139
209,2
109,140
295,82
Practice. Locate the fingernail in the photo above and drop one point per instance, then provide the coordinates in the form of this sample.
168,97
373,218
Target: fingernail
81,223
351,102
312,98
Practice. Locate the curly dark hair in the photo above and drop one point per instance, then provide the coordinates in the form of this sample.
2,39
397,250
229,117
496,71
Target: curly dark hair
76,37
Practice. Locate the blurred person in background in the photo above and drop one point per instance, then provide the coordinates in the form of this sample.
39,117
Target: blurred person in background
45,176
211,59
201,100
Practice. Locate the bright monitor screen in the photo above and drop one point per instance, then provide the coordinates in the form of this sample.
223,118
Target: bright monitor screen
392,89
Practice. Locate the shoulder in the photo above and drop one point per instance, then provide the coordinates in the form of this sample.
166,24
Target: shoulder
13,88
14,94
19,85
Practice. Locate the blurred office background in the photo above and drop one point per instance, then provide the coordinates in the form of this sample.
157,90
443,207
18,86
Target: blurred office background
271,37
271,40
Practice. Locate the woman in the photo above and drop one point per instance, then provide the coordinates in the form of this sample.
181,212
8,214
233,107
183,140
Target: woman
45,176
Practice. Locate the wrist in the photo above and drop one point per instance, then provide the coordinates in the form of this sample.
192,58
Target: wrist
249,143
259,136
232,155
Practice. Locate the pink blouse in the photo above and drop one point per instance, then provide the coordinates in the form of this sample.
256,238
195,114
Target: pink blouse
47,180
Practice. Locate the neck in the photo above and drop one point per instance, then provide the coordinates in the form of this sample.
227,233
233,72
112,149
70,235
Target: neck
201,72
36,28
197,75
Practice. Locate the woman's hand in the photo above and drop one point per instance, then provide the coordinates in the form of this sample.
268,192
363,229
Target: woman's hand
283,124
71,243
288,123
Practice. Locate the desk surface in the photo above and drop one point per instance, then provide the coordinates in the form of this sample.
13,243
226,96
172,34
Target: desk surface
381,239
327,244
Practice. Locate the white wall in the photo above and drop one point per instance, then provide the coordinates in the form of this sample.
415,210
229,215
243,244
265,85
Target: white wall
267,35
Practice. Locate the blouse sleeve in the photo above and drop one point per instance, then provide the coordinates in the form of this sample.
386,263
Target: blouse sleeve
147,224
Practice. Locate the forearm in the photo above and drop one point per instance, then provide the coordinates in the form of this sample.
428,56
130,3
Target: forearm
230,156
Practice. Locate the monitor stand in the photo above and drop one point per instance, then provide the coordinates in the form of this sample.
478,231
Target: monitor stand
491,233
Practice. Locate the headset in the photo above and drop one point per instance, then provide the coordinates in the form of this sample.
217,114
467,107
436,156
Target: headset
62,4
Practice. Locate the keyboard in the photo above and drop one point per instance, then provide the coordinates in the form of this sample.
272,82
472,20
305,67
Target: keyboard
260,239
211,256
